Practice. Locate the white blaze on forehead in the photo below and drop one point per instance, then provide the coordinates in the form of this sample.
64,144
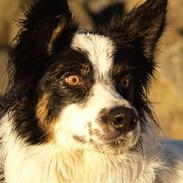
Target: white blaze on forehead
100,50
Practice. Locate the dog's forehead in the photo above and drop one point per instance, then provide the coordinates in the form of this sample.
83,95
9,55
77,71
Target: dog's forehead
100,50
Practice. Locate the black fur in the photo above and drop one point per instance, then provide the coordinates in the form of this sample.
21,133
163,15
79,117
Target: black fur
30,61
35,71
2,105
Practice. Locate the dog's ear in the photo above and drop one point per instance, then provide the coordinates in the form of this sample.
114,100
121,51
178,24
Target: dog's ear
145,24
45,22
141,28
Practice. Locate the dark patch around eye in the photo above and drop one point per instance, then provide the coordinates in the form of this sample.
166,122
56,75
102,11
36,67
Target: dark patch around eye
69,63
130,64
131,61
126,91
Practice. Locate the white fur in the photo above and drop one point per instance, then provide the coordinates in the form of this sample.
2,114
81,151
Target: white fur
62,164
100,51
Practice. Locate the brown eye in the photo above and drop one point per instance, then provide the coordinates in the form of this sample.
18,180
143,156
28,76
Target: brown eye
125,82
73,80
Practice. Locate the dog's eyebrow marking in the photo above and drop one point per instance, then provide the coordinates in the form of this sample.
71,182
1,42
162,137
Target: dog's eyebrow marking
85,69
100,50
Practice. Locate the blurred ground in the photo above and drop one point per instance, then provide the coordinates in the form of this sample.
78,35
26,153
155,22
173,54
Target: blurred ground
167,87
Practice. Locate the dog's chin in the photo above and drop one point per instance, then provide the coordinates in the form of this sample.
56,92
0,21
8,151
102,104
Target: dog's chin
119,145
103,142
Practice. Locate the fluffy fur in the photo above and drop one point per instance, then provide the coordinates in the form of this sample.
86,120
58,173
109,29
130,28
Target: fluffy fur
66,84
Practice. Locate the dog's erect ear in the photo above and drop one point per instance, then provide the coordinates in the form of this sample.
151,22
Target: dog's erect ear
46,21
141,28
145,24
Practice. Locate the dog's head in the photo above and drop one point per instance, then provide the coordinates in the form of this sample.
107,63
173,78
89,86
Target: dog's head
84,89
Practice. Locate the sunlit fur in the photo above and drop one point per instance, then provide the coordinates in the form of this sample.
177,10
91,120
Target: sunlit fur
52,132
49,163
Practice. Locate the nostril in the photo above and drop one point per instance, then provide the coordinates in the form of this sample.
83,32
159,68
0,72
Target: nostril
118,121
133,123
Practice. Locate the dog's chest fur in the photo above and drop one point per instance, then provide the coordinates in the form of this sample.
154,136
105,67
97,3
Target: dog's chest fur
48,164
41,165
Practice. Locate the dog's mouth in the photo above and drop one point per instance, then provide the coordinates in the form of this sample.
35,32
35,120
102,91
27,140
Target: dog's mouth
108,134
106,137
115,141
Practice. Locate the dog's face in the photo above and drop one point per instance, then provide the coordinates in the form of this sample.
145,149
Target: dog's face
94,91
86,89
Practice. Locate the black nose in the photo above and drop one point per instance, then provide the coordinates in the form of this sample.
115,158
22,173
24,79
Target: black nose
121,118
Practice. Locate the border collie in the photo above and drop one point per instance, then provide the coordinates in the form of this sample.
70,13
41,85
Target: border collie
78,110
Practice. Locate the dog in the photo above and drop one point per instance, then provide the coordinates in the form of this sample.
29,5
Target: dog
77,106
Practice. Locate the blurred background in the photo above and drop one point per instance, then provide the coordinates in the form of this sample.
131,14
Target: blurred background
166,92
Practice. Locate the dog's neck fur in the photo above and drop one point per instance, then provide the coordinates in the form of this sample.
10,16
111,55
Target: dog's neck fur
48,163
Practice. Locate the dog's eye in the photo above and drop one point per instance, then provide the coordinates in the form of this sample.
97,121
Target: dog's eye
125,82
73,80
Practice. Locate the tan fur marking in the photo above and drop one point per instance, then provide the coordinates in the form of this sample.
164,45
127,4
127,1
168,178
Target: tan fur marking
42,114
85,69
41,109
